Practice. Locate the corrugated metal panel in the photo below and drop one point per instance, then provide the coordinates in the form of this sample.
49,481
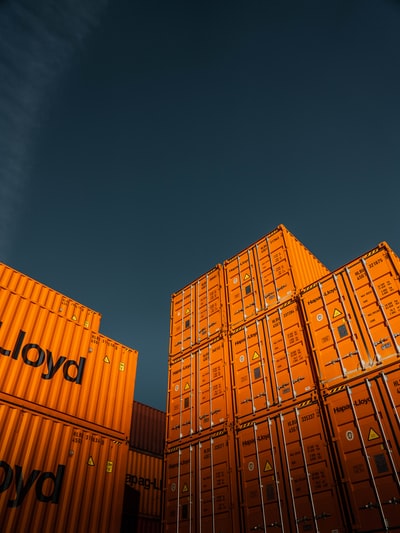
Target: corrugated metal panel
271,361
146,524
353,317
201,487
287,478
365,427
144,474
147,429
267,273
36,292
197,312
199,395
62,366
57,478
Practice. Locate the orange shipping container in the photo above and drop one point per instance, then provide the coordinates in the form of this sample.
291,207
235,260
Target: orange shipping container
267,273
364,421
36,292
271,362
199,395
200,488
287,478
58,478
144,475
197,312
64,368
353,316
147,429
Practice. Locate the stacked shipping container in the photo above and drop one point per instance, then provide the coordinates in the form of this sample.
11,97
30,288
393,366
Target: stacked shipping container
309,420
66,394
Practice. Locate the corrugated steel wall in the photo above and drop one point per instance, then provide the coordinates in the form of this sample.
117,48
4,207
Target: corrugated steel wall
309,362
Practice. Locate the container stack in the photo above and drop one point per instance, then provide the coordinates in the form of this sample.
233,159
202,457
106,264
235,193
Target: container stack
308,434
143,489
66,395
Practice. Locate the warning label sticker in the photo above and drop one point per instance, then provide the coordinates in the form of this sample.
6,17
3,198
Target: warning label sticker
372,435
256,355
267,466
336,312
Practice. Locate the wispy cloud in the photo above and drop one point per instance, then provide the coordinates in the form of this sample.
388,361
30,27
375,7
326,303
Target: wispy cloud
37,42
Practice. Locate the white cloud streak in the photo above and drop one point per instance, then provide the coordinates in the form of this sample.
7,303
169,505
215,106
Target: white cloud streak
37,42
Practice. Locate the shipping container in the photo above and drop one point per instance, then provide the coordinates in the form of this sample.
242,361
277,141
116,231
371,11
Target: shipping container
36,292
201,487
144,475
197,312
58,478
353,317
266,274
286,475
199,392
364,422
147,429
271,361
63,368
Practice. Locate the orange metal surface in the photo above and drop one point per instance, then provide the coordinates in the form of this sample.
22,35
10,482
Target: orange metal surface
56,478
200,488
364,419
286,479
267,273
271,361
144,474
147,429
36,292
58,365
353,317
197,312
199,395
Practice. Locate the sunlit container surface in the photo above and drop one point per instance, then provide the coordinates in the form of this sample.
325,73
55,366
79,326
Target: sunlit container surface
58,478
267,273
31,289
287,480
365,427
199,395
63,367
147,429
271,361
144,474
197,312
201,487
353,316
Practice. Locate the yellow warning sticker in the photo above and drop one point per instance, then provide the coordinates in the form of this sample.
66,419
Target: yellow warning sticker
187,311
336,312
185,488
246,277
121,366
267,466
90,461
73,317
109,467
372,435
256,355
186,387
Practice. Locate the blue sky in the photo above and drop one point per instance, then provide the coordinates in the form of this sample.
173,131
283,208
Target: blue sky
144,142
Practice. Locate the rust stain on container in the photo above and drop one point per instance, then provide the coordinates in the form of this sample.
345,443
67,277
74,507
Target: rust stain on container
58,365
58,478
201,487
199,395
365,426
197,312
267,273
144,475
353,316
36,292
287,477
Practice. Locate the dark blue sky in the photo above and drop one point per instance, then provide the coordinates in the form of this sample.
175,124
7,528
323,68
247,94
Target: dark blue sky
144,142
